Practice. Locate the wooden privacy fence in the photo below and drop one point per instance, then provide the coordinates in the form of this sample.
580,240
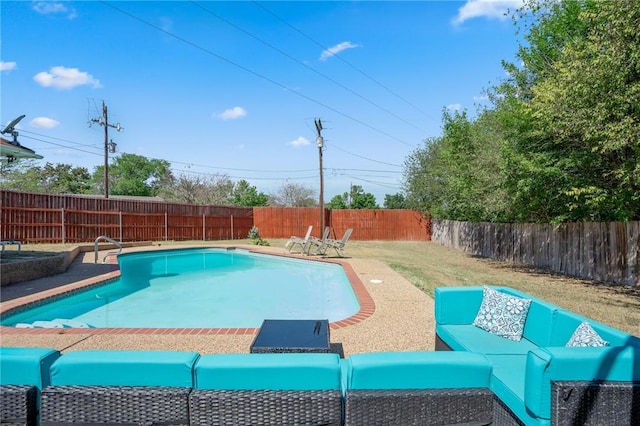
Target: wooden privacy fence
42,218
601,251
379,224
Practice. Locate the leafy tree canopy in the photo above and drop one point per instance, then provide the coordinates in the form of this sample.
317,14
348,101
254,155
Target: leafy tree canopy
134,175
395,201
246,195
356,198
50,178
561,141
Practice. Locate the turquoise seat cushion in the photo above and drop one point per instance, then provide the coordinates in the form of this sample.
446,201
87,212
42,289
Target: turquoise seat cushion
474,339
124,368
291,371
507,383
418,370
26,366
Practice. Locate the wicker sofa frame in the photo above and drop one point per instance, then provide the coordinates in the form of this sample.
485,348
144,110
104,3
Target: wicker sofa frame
247,407
18,405
470,406
114,405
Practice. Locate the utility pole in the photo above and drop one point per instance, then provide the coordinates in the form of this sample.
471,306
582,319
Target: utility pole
320,142
109,147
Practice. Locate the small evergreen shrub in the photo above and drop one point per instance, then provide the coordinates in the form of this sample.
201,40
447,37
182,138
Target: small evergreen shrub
254,235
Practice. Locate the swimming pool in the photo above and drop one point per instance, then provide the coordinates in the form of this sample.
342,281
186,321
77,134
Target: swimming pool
203,288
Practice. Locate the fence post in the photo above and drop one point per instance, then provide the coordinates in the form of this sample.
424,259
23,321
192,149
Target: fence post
166,226
64,237
120,220
203,229
232,227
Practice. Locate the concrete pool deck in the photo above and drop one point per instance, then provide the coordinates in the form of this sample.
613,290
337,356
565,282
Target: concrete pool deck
399,317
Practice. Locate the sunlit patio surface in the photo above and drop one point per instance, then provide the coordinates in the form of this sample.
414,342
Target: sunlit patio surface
396,316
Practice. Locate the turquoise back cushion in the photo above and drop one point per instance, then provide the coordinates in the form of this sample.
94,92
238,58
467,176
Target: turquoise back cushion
26,366
417,370
295,371
124,368
539,325
567,322
457,305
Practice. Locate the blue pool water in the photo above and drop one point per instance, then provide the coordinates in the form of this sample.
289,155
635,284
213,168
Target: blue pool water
205,288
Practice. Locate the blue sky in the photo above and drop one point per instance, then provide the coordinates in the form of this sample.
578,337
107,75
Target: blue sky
233,88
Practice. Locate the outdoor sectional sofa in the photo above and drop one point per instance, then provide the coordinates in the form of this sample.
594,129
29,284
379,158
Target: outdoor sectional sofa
481,379
538,379
185,388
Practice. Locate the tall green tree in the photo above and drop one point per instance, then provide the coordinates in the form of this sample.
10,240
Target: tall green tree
458,175
338,202
574,123
356,198
246,195
50,178
134,175
394,201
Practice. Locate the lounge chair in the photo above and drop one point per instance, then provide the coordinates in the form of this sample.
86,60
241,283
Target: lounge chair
337,245
294,241
316,242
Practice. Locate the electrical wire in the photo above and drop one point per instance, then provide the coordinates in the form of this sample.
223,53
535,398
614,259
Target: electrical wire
271,46
253,72
324,48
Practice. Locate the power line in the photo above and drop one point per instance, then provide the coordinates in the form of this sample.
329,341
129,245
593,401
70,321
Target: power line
62,146
324,48
287,173
365,158
271,46
250,71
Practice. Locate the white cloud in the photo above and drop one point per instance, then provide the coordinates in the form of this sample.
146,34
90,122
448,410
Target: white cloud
492,9
44,123
481,98
232,113
454,107
65,78
337,49
300,141
51,7
7,66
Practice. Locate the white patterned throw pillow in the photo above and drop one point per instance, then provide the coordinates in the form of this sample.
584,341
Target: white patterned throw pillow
502,314
585,336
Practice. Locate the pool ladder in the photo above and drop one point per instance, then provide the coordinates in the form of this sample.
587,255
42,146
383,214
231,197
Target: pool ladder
111,253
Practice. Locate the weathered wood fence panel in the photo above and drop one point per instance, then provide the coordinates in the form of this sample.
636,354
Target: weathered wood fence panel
43,218
602,251
368,225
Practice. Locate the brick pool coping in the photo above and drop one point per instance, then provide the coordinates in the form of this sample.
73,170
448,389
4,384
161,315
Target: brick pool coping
367,304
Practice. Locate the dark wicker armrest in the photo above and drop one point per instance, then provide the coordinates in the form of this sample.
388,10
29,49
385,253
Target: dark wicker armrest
595,403
18,405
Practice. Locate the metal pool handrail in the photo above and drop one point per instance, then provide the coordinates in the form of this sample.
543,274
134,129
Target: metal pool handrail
95,247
